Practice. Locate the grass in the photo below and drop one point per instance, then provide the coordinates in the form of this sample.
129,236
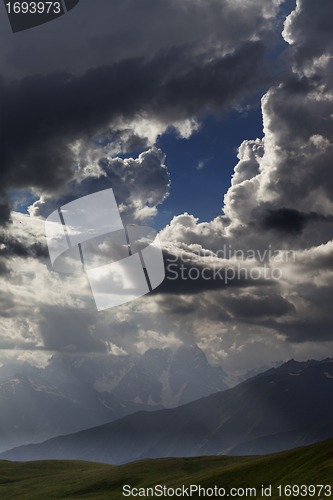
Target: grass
75,480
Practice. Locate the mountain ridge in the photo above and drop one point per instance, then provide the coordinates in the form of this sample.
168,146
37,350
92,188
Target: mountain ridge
277,403
79,392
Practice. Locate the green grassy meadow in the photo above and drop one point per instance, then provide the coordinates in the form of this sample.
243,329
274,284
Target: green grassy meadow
70,479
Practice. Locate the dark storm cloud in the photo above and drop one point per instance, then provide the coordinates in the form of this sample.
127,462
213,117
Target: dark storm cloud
310,115
298,191
229,306
322,262
291,221
309,30
290,168
4,213
69,330
295,85
313,329
254,307
185,309
12,247
124,334
43,116
102,33
4,271
314,320
190,278
5,208
140,183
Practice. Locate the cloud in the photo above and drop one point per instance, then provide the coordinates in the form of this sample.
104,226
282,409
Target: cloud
69,330
202,163
253,307
139,185
4,270
188,274
249,154
40,309
172,88
4,213
284,220
280,199
10,247
23,238
108,32
308,30
45,311
194,56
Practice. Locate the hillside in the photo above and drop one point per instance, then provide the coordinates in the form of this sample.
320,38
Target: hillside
90,481
297,405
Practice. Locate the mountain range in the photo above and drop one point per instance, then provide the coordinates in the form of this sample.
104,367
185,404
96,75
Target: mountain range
79,392
280,409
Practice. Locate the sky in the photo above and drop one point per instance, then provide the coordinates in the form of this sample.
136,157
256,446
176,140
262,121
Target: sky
211,120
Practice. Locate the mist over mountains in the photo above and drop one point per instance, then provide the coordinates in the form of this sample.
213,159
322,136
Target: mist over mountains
280,409
78,392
